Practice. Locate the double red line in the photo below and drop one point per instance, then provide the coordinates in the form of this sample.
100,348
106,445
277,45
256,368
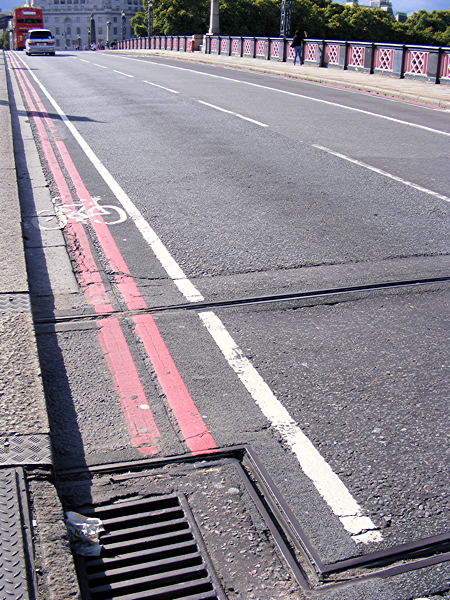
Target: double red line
138,414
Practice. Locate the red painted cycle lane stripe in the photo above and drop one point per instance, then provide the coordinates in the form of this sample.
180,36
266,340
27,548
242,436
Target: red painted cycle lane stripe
89,276
192,426
138,415
139,418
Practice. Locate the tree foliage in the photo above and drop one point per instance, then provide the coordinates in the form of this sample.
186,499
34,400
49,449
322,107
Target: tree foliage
322,19
4,40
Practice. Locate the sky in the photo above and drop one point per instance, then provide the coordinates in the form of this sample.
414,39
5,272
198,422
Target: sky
407,6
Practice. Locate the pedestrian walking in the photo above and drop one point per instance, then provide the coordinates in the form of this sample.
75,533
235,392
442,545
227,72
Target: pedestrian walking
297,44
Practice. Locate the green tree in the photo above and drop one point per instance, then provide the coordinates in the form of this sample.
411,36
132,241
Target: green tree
180,17
4,41
139,24
431,28
320,18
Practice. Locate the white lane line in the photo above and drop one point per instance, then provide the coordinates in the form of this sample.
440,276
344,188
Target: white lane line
101,66
340,500
161,86
328,484
86,61
235,114
303,96
121,73
384,173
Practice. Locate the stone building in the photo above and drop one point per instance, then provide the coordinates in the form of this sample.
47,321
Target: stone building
78,23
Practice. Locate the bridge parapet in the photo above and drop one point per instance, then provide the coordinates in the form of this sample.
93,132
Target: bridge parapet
426,63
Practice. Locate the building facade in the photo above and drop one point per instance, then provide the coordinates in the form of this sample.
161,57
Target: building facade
80,23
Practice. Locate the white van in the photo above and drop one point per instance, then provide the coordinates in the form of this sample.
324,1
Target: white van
40,41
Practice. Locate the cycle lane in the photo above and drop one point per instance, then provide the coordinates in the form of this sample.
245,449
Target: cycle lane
137,409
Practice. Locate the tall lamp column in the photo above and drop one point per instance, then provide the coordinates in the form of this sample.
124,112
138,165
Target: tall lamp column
93,36
285,18
123,25
149,18
214,18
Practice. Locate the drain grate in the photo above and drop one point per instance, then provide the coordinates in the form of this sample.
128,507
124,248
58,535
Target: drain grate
151,549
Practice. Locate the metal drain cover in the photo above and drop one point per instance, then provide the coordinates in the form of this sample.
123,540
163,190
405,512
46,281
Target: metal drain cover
151,549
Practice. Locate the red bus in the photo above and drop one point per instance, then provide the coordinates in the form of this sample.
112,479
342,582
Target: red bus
24,19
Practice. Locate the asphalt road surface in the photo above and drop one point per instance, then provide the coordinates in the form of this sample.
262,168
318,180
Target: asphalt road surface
237,186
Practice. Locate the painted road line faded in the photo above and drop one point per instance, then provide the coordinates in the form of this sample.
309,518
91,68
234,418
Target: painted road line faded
121,73
384,173
359,529
294,94
197,437
230,112
160,86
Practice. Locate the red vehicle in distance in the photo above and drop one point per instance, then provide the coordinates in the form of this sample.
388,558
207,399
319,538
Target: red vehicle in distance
24,19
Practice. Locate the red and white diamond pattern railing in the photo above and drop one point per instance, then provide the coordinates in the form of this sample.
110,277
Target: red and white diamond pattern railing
384,59
275,49
445,66
310,52
247,47
397,60
260,49
416,62
332,54
356,56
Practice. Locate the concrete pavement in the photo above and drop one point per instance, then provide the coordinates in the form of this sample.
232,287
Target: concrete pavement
34,535
406,89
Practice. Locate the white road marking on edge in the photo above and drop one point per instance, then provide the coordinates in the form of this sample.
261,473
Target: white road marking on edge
101,66
235,114
161,86
384,173
171,267
304,96
86,61
328,484
121,73
339,499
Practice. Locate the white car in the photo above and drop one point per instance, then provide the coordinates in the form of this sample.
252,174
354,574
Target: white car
40,41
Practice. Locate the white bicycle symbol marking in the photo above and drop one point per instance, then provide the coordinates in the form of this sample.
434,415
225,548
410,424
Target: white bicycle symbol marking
78,213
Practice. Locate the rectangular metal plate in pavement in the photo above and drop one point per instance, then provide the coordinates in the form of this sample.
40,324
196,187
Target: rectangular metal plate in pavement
21,450
14,537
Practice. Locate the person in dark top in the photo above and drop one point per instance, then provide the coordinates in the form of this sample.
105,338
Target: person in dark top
297,44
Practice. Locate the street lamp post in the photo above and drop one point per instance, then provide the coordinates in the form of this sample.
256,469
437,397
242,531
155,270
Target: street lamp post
285,18
93,36
149,18
123,25
108,33
214,18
